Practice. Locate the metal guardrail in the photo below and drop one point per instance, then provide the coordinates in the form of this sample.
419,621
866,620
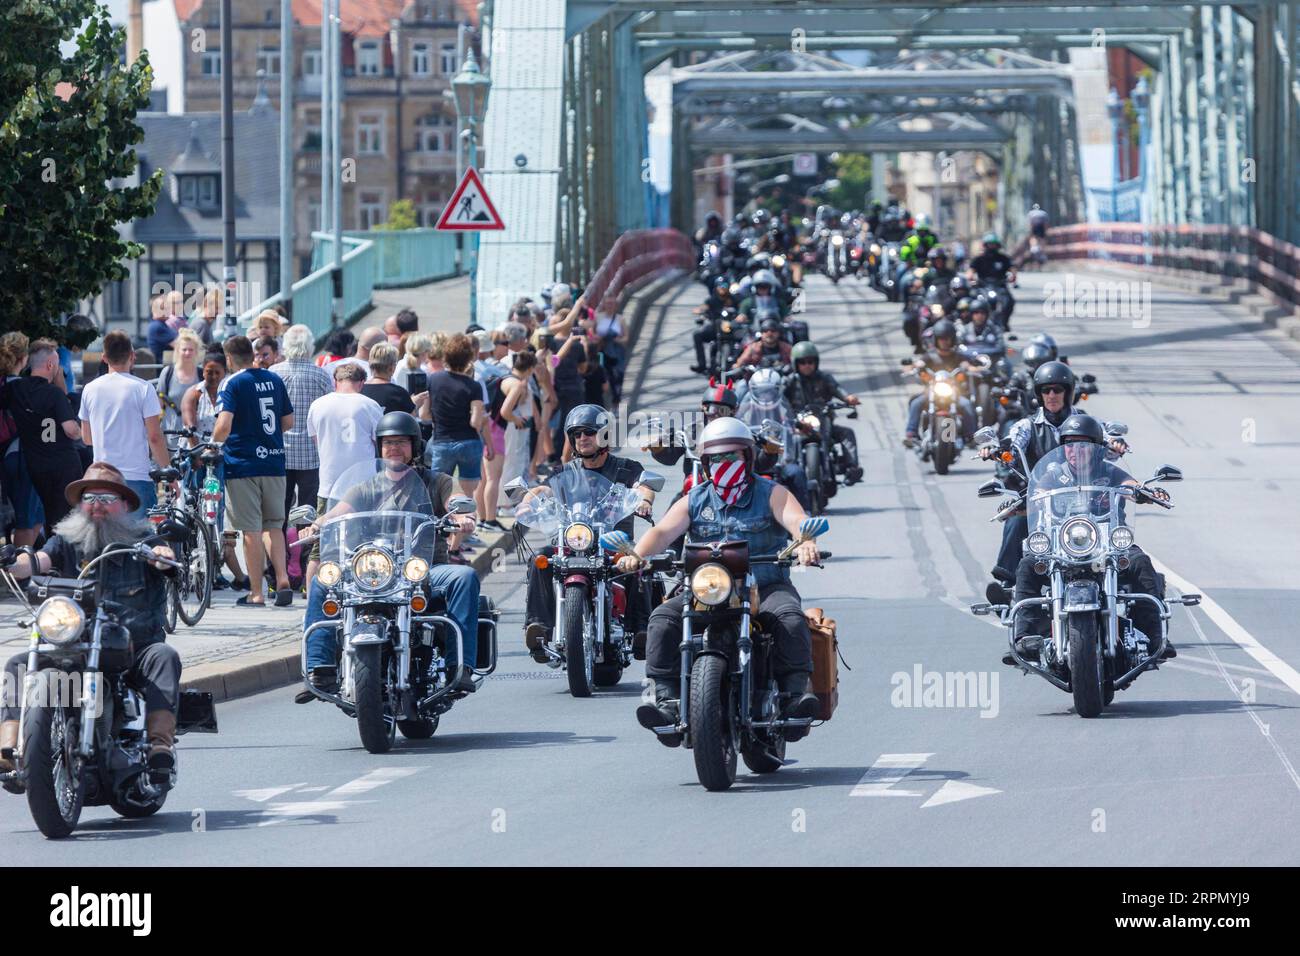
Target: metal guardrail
635,256
1231,252
405,257
313,294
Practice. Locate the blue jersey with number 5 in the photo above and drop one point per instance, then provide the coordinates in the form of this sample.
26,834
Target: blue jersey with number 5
257,399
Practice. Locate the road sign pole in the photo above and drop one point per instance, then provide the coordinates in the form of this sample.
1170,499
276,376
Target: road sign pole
473,247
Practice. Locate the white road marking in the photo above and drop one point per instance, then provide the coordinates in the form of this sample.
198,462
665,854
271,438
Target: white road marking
887,771
265,794
1229,626
368,782
335,800
954,790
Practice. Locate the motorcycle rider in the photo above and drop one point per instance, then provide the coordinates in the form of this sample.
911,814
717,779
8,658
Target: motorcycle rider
948,356
1083,440
941,270
916,247
587,427
404,484
979,333
994,267
104,503
811,385
765,403
719,300
769,350
712,229
733,498
764,300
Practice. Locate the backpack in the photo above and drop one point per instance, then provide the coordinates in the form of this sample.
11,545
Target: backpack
496,399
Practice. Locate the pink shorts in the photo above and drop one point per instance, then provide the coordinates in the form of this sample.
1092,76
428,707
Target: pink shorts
498,438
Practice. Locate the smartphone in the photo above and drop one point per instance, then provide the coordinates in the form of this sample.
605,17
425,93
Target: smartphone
417,382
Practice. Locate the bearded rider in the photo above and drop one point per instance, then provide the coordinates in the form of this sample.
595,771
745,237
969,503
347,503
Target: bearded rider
587,428
1083,441
810,385
733,502
769,350
403,484
104,503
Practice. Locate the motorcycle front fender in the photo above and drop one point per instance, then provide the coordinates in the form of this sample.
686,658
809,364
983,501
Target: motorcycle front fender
368,632
1081,596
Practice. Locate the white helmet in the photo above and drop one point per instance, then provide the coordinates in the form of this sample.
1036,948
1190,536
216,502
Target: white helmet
765,386
724,434
765,277
923,220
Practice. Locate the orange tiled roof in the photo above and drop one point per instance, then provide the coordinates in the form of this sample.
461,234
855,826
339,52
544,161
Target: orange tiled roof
360,17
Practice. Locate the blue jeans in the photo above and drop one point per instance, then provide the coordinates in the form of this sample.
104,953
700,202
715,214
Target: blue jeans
456,582
148,493
964,409
467,455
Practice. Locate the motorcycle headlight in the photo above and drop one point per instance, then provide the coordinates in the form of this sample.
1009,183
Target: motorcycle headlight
1038,543
1121,538
875,249
943,389
578,537
778,262
60,621
711,584
837,240
372,568
329,574
811,422
415,569
936,311
1078,537
726,327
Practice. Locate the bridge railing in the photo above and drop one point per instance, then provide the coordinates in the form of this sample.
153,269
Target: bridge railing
404,257
1229,252
635,257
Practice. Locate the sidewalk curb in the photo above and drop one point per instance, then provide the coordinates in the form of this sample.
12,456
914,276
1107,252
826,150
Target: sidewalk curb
257,671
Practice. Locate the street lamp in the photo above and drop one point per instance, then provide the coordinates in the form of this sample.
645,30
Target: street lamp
470,90
1141,96
1116,109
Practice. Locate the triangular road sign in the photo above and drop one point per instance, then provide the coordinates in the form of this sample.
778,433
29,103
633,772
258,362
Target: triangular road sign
470,209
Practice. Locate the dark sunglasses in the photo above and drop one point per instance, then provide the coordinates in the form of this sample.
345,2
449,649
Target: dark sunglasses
100,498
584,432
1053,389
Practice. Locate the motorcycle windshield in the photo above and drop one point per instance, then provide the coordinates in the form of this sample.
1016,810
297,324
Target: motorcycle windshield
1076,481
578,495
770,419
386,505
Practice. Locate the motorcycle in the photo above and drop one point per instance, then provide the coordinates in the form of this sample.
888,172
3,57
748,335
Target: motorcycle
394,629
835,264
939,434
1080,534
591,597
82,727
730,701
886,277
822,458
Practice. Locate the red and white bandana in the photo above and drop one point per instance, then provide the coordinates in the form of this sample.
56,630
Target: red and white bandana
730,478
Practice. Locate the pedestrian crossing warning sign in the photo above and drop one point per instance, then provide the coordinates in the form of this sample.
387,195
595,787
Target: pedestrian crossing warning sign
470,208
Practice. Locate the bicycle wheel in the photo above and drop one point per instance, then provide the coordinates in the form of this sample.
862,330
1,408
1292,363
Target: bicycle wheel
194,581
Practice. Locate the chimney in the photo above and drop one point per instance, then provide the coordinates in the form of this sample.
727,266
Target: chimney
134,30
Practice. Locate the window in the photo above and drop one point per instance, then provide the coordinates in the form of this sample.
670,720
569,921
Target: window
370,210
313,216
311,132
368,59
448,62
207,191
198,192
189,194
370,134
212,63
311,61
428,134
268,59
421,59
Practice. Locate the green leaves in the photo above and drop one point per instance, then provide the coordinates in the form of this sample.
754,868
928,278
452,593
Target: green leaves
59,158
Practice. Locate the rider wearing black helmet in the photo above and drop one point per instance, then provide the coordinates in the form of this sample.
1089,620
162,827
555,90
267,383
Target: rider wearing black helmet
402,484
948,355
994,267
587,433
1084,443
811,385
940,264
720,299
769,350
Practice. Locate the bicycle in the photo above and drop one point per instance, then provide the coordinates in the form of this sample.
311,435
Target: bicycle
190,590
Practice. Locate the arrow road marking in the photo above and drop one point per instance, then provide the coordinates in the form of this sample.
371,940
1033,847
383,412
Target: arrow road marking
265,794
336,799
954,790
888,770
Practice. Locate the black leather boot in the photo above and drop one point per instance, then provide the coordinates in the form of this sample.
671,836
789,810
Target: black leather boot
803,702
664,712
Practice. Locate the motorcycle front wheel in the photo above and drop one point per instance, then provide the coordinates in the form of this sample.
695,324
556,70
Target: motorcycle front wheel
812,467
55,789
944,451
377,727
1087,668
713,737
579,655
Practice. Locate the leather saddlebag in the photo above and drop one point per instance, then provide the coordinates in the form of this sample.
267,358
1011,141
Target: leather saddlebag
825,655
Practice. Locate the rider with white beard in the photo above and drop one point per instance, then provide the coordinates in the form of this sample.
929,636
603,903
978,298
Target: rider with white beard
104,503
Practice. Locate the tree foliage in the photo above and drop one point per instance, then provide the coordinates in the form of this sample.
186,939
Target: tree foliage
59,157
853,170
401,215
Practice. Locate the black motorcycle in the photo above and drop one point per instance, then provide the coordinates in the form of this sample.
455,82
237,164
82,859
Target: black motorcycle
824,459
82,739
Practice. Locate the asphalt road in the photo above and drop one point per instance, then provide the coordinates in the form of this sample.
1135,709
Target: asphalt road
1194,764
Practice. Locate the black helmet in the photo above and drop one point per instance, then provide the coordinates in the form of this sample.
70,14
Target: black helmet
979,304
1055,373
770,325
1081,428
1035,354
401,425
588,416
944,329
1045,340
721,284
937,253
721,395
958,285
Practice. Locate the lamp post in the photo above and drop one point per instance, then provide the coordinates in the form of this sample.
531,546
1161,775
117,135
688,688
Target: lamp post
1142,103
470,90
1116,110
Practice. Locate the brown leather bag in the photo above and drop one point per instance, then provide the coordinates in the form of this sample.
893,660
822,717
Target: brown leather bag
825,655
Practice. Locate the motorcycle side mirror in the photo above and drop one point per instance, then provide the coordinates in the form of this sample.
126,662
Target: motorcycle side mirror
617,542
1089,378
173,531
1168,473
1116,428
992,488
303,514
655,482
905,362
515,490
1012,337
460,505
810,528
986,435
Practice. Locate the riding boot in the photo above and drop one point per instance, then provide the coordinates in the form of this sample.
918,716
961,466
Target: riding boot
8,741
160,725
803,702
664,712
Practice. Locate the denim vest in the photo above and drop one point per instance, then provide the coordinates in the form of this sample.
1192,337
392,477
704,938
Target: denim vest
751,519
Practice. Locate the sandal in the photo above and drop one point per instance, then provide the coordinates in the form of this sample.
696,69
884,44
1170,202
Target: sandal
246,601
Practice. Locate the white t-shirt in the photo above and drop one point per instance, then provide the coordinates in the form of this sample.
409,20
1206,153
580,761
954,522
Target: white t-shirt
330,366
116,406
343,426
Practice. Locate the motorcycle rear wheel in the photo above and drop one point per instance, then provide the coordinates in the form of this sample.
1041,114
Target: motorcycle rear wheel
813,469
49,744
422,728
606,675
763,756
713,738
378,729
137,811
1087,667
578,655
